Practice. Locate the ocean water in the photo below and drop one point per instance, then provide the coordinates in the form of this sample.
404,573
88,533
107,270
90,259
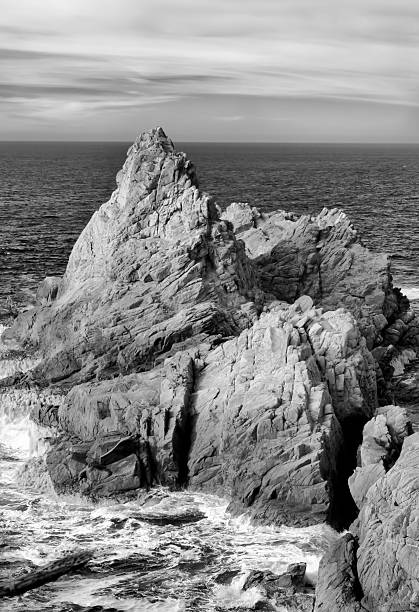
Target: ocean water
48,191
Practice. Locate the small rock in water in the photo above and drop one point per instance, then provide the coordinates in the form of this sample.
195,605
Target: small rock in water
226,576
287,589
166,517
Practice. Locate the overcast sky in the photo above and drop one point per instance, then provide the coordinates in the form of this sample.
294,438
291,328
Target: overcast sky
231,70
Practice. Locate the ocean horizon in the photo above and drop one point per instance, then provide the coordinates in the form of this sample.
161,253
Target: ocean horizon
50,189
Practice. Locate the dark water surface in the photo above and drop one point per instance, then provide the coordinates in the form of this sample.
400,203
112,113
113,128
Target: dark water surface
48,191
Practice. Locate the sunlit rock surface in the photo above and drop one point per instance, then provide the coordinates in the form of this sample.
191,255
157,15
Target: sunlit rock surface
387,558
263,418
323,257
155,268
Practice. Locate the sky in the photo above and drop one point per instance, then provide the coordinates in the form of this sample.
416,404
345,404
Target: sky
210,70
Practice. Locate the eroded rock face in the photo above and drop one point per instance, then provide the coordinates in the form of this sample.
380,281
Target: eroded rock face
145,416
388,531
374,568
261,418
323,257
154,268
176,378
338,588
382,441
269,408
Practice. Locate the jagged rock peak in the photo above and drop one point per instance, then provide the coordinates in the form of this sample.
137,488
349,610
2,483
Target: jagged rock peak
154,267
143,161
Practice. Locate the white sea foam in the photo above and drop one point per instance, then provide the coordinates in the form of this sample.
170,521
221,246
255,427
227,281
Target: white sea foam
412,293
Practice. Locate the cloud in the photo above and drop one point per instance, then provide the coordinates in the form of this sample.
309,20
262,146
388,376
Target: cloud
103,55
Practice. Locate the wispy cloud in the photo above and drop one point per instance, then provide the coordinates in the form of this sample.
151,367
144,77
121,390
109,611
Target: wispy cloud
79,59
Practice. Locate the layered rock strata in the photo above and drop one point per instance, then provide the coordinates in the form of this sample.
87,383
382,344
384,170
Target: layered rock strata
192,357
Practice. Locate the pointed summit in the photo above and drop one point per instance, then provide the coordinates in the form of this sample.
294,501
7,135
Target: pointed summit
155,268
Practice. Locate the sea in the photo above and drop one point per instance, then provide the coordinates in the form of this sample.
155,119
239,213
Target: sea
48,192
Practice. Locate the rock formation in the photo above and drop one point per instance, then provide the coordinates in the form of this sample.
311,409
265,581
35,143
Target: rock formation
375,568
272,411
154,268
323,257
232,352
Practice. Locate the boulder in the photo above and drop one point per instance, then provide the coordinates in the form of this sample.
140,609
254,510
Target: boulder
287,590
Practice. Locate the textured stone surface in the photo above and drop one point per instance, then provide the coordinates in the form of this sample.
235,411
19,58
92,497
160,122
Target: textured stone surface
145,414
176,378
153,268
338,588
262,417
375,567
287,590
388,530
265,406
323,257
382,441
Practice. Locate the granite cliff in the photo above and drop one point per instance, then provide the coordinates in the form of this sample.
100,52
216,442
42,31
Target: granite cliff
237,352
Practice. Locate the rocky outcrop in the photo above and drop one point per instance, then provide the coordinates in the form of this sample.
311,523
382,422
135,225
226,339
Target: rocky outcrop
323,257
227,352
382,441
388,532
154,269
139,424
266,418
375,567
271,412
338,588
